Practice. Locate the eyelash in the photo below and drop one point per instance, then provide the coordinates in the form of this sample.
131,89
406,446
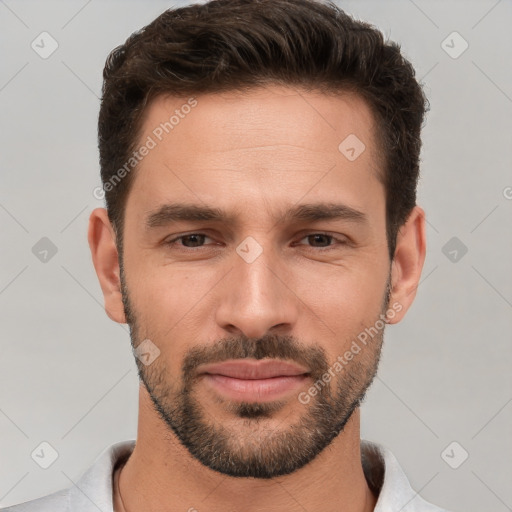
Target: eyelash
173,242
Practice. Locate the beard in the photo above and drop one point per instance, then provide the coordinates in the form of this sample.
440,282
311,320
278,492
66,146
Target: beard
251,447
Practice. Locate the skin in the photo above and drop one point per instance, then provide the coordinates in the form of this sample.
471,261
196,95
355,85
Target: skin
255,155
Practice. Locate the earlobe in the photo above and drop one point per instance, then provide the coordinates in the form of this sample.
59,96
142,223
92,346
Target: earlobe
106,262
407,263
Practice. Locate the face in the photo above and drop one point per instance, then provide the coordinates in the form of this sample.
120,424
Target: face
277,253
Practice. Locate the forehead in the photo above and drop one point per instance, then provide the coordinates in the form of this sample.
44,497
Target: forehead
267,138
261,117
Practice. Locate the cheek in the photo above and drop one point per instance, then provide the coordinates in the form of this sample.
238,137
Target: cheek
167,301
341,307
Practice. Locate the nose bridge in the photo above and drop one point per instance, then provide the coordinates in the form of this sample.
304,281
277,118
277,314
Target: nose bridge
255,297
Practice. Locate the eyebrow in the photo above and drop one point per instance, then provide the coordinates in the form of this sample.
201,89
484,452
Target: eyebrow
310,212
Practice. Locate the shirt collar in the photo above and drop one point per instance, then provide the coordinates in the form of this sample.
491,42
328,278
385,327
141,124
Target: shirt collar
93,491
388,481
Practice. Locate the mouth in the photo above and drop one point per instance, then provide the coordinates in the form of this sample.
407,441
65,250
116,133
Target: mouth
254,380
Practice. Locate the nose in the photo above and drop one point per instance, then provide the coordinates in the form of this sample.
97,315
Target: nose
256,297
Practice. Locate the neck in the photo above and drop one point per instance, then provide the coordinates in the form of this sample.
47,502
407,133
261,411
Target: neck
162,476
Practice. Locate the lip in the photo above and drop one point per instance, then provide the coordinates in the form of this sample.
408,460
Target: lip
254,381
254,370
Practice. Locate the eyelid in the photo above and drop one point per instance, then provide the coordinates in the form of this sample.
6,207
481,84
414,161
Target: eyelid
311,232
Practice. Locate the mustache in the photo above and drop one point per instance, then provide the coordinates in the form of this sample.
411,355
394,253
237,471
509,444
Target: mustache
272,346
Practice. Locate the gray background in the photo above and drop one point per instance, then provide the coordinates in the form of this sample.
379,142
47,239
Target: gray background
67,375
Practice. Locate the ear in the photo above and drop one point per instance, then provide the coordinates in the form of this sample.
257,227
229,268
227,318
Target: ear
407,263
105,258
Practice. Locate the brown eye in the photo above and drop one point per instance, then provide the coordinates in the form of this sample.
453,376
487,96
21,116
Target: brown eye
320,238
323,241
190,241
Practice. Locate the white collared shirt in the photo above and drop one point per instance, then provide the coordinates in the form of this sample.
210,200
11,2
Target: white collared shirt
93,491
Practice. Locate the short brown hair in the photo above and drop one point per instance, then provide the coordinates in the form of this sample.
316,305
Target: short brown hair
225,45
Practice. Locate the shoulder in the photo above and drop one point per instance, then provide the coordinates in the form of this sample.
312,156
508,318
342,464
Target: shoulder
92,492
56,502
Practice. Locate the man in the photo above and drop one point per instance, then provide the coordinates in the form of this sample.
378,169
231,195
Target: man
259,160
